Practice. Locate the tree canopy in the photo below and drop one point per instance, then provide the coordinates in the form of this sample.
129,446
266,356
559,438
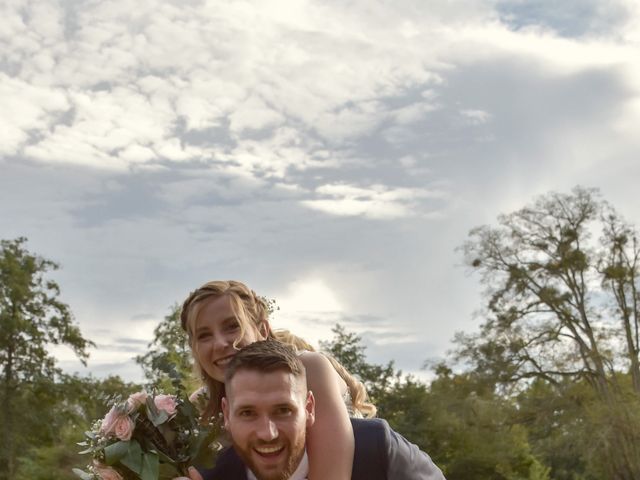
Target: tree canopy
168,357
32,317
561,279
548,388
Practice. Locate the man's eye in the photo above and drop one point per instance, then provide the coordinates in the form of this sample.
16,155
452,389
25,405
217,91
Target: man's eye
283,411
245,413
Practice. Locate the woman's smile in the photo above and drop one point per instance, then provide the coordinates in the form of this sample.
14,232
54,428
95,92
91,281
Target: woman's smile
219,335
223,362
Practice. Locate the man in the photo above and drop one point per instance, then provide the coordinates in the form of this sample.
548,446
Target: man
267,410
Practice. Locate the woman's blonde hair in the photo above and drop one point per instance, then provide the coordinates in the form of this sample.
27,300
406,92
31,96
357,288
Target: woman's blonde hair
252,311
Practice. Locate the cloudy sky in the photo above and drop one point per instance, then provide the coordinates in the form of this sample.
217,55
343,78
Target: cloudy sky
331,154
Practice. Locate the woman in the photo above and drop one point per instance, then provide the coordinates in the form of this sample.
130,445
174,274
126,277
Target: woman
221,317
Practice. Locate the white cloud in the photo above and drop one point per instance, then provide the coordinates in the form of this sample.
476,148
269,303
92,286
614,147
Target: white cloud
198,112
558,55
69,147
476,117
109,130
208,61
26,109
329,69
413,113
376,201
137,154
286,149
630,32
307,307
309,295
172,149
179,141
253,114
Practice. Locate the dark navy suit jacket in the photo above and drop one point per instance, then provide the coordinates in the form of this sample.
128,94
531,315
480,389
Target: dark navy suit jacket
380,454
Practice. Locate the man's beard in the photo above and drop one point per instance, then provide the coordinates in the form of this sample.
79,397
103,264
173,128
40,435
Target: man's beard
295,454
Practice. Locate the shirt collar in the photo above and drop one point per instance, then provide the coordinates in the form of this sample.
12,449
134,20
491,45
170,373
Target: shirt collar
300,474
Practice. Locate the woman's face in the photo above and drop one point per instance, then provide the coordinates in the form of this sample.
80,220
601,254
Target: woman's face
215,331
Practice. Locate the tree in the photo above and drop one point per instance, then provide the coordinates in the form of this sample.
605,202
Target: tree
458,419
475,432
562,427
32,317
68,408
563,306
346,347
169,355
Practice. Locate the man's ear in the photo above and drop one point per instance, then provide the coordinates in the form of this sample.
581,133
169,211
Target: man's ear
225,412
310,408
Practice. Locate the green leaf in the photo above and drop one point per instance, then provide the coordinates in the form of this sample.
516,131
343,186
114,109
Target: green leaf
188,409
164,457
201,452
133,459
160,418
150,466
82,474
156,416
115,452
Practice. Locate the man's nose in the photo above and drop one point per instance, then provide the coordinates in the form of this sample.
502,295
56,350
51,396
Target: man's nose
267,430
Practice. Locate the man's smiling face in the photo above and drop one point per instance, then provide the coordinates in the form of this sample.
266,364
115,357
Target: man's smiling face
267,415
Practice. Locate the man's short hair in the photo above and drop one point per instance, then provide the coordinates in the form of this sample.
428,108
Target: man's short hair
266,356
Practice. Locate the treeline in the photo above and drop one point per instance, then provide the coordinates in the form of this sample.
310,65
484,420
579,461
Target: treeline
548,388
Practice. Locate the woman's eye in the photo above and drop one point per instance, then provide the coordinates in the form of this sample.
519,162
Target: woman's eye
233,326
203,335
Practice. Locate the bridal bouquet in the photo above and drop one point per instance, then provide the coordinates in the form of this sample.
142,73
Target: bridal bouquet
148,437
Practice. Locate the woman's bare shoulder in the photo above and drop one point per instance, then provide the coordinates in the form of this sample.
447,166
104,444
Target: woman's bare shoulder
315,362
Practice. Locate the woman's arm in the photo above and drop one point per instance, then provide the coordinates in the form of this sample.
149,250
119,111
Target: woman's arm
330,443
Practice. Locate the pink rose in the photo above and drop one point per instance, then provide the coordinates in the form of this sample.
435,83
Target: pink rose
106,473
109,421
124,428
199,399
135,400
199,395
167,403
117,423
